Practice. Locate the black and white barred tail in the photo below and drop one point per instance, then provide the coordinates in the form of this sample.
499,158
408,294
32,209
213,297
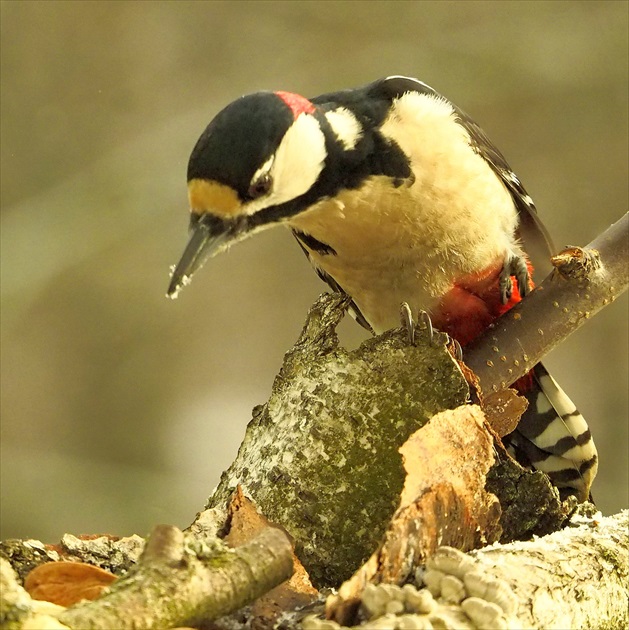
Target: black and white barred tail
553,437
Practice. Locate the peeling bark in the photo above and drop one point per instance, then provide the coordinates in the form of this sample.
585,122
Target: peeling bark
575,578
453,466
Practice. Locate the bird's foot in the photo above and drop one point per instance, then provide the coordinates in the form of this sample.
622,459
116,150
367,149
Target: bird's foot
514,265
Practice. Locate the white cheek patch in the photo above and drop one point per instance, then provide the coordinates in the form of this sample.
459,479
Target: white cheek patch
296,164
345,126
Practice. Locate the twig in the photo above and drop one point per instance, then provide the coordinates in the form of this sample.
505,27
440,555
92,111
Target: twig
582,283
180,580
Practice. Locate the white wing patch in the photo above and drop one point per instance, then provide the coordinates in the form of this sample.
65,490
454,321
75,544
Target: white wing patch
345,126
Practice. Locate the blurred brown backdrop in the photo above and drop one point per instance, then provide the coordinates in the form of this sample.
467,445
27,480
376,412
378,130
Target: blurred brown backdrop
120,408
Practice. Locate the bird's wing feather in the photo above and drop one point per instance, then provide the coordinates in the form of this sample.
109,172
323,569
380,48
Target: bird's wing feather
531,230
537,241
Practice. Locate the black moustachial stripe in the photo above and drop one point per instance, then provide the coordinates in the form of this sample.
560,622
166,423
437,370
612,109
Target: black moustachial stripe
343,170
335,286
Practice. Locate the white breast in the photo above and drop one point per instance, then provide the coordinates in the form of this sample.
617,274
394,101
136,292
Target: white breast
410,244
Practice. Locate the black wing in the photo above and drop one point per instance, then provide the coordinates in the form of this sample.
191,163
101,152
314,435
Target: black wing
537,241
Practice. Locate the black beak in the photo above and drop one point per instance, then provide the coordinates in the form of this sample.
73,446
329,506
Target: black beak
209,234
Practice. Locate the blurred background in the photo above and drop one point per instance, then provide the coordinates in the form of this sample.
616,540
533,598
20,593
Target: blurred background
121,408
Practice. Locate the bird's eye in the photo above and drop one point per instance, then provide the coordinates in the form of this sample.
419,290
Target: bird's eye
260,187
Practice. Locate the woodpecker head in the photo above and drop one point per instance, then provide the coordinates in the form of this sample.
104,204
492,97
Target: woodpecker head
253,166
269,156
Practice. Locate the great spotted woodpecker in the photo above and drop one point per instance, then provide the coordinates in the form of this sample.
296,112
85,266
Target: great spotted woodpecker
396,196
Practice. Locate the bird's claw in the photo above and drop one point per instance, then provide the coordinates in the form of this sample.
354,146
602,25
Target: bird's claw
406,317
514,265
423,323
456,349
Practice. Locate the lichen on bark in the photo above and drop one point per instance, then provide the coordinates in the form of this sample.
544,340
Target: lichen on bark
321,456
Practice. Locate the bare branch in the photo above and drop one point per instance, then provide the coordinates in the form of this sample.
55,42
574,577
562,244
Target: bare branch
180,580
321,458
583,282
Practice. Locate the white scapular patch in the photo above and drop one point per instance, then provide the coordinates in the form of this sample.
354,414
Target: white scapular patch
345,126
295,166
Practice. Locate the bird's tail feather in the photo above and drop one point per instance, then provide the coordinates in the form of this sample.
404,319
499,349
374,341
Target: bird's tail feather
553,436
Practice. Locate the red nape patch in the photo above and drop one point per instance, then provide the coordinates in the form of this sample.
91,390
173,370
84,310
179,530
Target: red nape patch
297,104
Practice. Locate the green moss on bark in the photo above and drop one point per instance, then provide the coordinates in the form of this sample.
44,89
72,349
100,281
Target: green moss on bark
321,456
